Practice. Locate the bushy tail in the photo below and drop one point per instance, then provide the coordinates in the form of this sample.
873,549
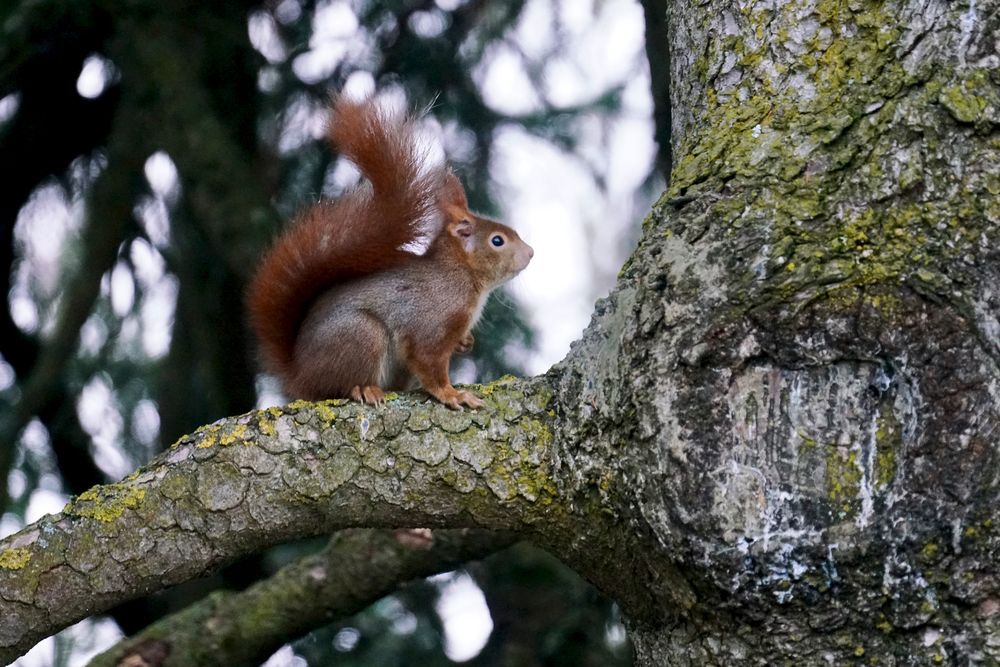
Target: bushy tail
360,233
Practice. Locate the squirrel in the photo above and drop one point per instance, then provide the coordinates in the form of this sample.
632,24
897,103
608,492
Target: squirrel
343,308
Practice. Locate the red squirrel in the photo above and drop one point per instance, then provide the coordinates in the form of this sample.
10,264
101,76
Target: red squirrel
342,307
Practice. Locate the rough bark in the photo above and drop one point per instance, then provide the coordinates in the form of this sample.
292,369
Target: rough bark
241,484
809,338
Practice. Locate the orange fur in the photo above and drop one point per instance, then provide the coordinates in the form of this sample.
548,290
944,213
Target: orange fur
334,241
341,309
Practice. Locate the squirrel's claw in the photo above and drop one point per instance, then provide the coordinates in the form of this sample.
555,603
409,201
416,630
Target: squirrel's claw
369,394
469,399
456,398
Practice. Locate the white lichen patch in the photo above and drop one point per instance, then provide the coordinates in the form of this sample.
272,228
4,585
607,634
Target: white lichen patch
815,445
865,458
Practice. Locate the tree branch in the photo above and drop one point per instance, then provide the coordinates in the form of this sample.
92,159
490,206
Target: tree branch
354,570
248,482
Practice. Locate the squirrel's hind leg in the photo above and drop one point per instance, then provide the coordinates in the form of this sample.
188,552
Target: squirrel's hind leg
431,368
342,354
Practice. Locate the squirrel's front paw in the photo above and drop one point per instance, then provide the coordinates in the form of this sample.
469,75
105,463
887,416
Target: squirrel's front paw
456,398
469,399
465,345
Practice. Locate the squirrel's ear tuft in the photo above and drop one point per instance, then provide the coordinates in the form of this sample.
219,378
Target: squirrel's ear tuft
462,228
452,192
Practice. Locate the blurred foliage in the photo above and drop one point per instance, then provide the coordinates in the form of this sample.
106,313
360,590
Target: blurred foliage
400,630
542,613
226,99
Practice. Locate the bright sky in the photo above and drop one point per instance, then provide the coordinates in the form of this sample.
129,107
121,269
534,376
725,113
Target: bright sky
575,228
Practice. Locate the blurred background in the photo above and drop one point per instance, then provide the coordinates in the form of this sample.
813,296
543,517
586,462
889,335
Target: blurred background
148,154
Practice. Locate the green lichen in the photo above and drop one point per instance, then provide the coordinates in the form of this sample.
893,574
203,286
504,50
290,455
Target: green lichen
106,503
516,470
843,480
267,420
969,98
221,433
538,431
234,434
605,482
885,466
785,145
175,485
537,486
326,412
14,559
888,439
488,390
750,127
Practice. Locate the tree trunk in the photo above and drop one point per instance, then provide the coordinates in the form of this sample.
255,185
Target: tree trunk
776,443
808,338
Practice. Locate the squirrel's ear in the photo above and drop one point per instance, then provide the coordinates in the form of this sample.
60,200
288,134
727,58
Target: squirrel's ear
463,230
452,192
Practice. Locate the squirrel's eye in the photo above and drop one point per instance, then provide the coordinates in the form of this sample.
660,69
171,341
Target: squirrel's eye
497,240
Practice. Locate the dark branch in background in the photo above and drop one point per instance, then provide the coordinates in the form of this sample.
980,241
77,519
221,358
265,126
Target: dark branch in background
200,98
109,214
53,126
108,218
543,613
212,158
356,568
658,56
52,111
208,351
